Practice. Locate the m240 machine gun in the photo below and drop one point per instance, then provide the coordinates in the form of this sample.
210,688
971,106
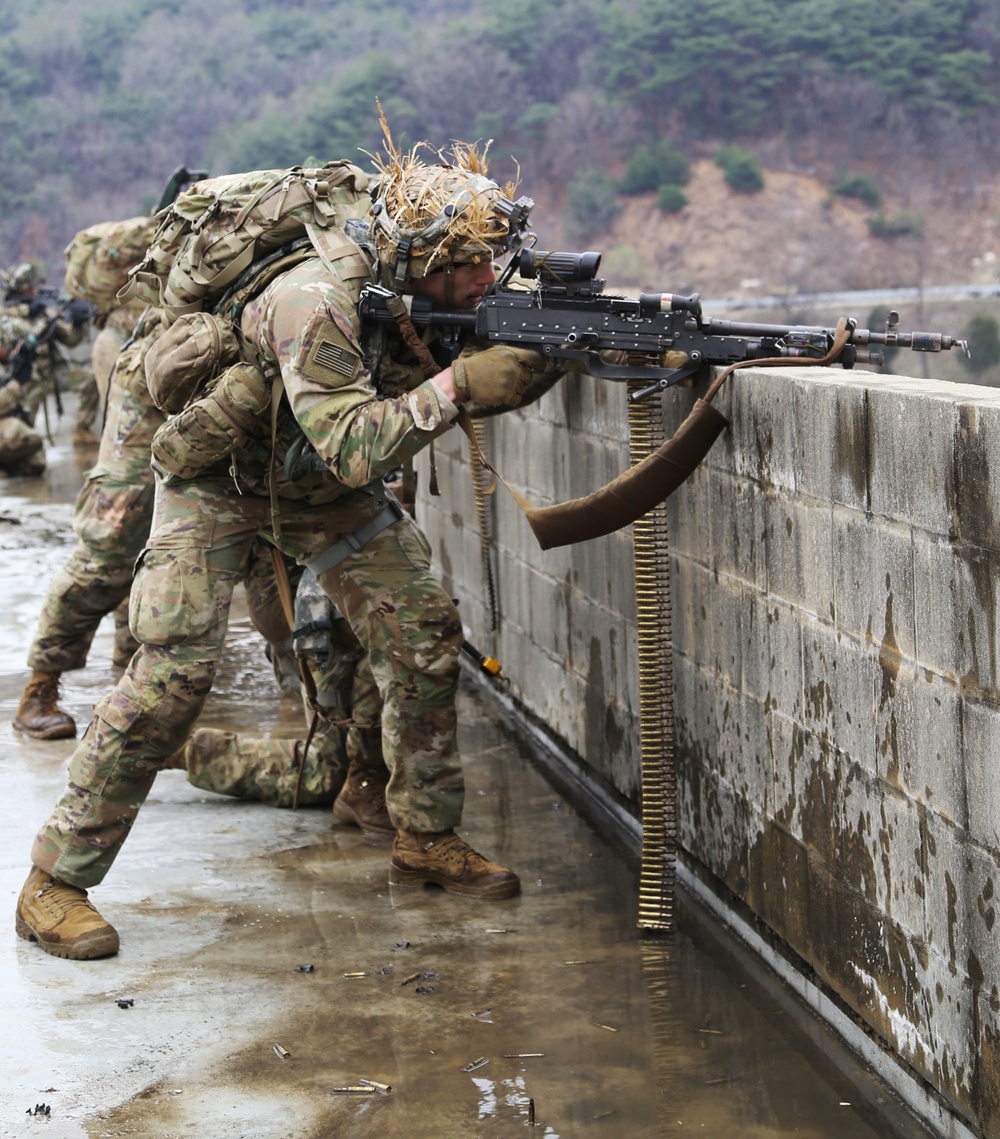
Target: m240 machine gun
657,339
661,338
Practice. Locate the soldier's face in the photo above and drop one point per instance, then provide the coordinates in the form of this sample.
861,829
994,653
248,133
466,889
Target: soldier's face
471,284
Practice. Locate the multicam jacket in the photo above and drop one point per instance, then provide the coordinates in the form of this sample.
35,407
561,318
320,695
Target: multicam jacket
306,328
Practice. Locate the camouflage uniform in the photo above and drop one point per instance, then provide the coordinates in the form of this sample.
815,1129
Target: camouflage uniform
49,367
22,449
306,328
111,519
347,725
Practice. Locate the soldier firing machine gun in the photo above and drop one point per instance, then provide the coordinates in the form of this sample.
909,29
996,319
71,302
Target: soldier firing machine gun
664,337
656,339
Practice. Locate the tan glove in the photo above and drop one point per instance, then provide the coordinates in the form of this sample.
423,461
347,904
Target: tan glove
497,376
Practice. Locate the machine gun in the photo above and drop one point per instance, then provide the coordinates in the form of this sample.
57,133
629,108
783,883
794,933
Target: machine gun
658,338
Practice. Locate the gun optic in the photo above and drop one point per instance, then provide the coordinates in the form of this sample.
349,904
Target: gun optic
565,269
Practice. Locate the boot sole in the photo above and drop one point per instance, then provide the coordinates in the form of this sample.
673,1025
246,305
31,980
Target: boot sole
105,946
346,814
60,732
398,876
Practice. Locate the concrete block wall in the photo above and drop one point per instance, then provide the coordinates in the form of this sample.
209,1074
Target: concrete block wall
835,572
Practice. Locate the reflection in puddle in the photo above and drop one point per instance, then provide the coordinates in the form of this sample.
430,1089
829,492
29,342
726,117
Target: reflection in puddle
221,904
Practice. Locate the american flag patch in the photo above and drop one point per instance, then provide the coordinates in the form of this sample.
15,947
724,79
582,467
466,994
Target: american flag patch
336,358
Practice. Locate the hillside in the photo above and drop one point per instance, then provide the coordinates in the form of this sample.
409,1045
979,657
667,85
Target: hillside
794,237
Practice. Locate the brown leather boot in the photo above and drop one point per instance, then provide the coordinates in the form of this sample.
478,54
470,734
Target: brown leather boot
362,801
448,861
39,714
61,919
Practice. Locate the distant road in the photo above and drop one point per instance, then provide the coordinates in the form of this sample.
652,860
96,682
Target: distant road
856,300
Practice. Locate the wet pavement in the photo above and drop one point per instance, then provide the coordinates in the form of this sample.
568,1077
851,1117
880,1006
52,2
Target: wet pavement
265,961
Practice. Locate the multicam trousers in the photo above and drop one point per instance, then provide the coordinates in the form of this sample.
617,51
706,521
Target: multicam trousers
111,519
275,771
202,536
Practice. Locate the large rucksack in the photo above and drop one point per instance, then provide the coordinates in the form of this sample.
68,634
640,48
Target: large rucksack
99,258
219,227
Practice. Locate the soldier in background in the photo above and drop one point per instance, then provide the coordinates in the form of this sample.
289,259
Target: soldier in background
111,520
22,449
49,325
308,772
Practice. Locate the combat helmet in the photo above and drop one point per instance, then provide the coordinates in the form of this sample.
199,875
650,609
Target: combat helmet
23,277
428,216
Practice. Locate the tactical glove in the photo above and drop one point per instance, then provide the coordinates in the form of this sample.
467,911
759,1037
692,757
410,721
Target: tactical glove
497,376
79,312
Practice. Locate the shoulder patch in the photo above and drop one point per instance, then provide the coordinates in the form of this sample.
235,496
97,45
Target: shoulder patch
330,360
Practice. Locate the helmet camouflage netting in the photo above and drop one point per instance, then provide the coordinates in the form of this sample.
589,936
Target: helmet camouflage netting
427,215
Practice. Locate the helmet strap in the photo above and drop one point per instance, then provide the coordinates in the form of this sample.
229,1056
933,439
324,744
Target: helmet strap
449,285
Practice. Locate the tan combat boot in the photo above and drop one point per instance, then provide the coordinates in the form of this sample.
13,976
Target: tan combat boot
39,714
61,919
362,801
448,861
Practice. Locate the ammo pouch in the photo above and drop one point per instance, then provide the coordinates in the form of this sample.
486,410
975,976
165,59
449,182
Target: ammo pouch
185,358
207,430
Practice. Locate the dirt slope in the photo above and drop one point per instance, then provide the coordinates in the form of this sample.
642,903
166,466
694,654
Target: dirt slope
793,236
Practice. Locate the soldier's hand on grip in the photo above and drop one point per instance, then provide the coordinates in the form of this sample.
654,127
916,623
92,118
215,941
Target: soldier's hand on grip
497,376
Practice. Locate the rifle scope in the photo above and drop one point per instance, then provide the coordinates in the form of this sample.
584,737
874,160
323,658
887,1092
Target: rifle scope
558,268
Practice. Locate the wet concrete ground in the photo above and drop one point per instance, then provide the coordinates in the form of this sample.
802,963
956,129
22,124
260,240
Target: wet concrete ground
247,931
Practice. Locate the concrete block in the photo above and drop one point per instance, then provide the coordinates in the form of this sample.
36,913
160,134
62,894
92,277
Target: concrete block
898,840
805,786
755,649
785,667
831,427
689,518
620,582
979,759
780,877
949,1038
919,738
696,715
976,515
799,552
873,579
762,427
591,576
713,824
912,449
963,883
736,510
955,609
840,679
716,632
743,753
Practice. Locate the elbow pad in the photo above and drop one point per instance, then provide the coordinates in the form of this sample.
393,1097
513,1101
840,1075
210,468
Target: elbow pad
208,430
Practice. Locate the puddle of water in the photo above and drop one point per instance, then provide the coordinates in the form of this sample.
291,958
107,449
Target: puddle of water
221,905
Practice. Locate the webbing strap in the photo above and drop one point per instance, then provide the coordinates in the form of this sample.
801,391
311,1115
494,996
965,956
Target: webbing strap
351,543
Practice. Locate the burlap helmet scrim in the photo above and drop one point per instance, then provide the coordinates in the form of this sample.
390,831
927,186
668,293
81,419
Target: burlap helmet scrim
427,215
